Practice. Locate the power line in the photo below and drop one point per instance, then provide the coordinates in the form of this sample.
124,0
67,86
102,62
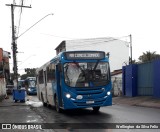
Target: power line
101,41
58,36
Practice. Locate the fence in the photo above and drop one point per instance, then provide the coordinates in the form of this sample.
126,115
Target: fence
142,79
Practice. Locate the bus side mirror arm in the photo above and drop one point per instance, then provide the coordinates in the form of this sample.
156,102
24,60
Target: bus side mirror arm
108,54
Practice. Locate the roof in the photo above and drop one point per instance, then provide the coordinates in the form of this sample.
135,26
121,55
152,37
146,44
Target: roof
116,72
63,42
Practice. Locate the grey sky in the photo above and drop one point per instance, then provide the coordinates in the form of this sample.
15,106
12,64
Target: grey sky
74,19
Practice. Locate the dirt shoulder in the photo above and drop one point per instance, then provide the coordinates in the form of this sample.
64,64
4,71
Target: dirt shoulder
145,101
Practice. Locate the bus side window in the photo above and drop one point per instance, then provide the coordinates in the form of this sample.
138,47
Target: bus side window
50,73
40,77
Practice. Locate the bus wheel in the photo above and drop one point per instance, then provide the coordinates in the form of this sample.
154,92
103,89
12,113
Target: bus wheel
44,104
57,105
96,109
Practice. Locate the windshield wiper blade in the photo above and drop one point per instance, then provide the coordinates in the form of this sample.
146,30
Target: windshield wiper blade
79,67
96,65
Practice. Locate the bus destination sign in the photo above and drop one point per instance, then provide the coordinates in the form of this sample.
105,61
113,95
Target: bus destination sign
85,55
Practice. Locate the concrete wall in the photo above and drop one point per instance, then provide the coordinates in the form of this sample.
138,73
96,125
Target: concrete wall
117,85
2,88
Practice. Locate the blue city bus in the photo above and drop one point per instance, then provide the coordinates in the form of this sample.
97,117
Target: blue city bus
75,79
30,85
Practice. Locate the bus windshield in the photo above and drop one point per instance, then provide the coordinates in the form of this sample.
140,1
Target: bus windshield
86,74
32,83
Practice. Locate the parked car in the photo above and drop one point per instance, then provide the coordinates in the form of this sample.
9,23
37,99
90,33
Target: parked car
9,89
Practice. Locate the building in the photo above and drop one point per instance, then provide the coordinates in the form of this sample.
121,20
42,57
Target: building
118,49
4,72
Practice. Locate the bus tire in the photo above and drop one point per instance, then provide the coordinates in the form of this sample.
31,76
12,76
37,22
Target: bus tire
96,109
58,109
44,104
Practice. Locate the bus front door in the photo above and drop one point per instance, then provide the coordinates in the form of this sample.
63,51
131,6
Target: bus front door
59,86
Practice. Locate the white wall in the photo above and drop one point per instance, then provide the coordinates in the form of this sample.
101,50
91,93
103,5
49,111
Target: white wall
2,87
119,51
117,85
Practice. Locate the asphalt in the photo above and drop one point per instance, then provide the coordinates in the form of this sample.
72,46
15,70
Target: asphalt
8,107
144,101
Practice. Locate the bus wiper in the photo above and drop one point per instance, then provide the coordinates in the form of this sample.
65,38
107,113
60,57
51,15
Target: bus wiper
80,68
84,73
67,74
96,65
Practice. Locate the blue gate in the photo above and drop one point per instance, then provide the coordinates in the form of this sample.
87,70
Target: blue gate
142,79
130,80
145,79
156,77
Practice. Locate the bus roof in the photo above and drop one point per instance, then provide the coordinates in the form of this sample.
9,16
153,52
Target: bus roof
31,78
66,53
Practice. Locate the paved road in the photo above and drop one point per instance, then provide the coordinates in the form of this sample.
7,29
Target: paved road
33,112
112,114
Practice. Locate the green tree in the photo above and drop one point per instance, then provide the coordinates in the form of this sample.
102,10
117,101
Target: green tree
148,56
30,72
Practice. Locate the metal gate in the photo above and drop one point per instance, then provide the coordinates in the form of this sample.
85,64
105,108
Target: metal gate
145,79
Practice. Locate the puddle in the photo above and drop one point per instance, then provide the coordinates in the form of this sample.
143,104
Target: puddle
28,121
34,103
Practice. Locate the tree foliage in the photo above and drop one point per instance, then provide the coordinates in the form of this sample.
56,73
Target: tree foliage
30,72
148,56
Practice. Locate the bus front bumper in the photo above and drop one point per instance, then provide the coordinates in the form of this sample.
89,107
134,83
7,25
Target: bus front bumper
71,103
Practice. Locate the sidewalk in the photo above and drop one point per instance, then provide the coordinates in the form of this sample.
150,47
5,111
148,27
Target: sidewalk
11,102
144,101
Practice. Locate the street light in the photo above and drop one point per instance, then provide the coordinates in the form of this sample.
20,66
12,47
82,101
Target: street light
14,42
33,25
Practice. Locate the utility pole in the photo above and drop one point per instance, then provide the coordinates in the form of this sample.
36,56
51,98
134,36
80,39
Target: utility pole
130,61
14,44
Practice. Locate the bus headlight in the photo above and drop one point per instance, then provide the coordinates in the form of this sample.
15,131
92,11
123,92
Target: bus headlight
68,95
108,93
79,97
29,89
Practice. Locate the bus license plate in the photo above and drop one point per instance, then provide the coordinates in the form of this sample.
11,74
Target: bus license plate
89,102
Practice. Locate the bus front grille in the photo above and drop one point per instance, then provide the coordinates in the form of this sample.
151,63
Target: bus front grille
87,91
89,102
